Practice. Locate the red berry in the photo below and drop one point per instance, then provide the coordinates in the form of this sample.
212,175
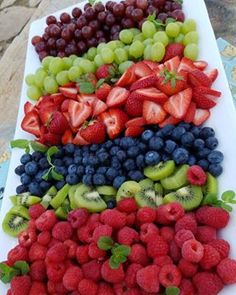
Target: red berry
146,215
167,233
62,231
157,247
182,236
86,287
192,250
72,247
37,252
38,271
148,231
110,275
20,285
82,254
162,260
105,289
175,252
186,287
138,254
44,238
36,210
46,221
78,217
130,219
170,275
211,257
169,213
127,236
17,253
37,288
27,238
56,271
205,234
102,230
147,278
196,175
72,277
57,253
222,247
207,283
226,269
188,221
212,216
130,275
127,205
94,252
85,234
92,270
188,269
114,218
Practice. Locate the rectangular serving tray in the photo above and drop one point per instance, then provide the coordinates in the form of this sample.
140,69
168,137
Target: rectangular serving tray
223,120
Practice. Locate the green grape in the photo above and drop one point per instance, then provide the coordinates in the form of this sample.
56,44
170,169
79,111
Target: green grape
87,66
67,62
121,55
126,36
188,26
98,60
125,65
73,57
46,62
39,70
107,55
92,53
148,29
139,37
29,79
172,30
119,44
191,37
56,65
191,51
126,48
74,73
135,31
39,78
136,49
171,40
85,55
62,78
157,51
77,61
161,37
50,85
34,93
148,52
179,38
148,41
112,45
100,46
179,24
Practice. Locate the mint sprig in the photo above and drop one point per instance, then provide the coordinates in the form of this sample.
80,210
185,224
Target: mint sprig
172,290
27,145
159,23
228,198
52,173
8,272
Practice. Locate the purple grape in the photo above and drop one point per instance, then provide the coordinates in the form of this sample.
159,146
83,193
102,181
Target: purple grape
99,34
127,23
78,34
45,37
87,32
137,14
81,46
51,43
51,20
94,24
65,18
61,54
42,54
89,13
76,12
40,46
128,11
87,5
115,28
60,44
81,21
178,15
53,52
72,27
110,19
102,16
162,16
118,9
54,31
98,7
70,49
92,42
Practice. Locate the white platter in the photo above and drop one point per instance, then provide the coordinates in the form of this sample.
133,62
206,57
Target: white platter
223,120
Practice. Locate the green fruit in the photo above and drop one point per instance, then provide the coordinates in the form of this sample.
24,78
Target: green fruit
25,200
160,171
20,211
46,199
176,180
61,213
159,193
189,197
128,190
106,190
108,198
13,224
126,36
71,194
146,196
211,186
148,29
136,49
60,196
125,65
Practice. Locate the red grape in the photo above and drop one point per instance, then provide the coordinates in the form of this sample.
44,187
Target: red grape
129,10
65,18
137,14
66,34
53,52
71,27
142,4
35,40
115,28
151,9
99,34
76,12
118,9
109,5
41,46
92,42
127,23
87,5
89,13
81,46
87,32
70,49
178,15
51,20
110,19
158,3
45,37
51,43
102,40
81,21
61,54
42,54
54,31
60,44
115,36
130,2
99,7
95,25
101,16
162,16
78,34
167,6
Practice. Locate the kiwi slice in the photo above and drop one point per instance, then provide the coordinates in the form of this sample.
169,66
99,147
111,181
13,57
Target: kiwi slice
13,224
71,194
147,195
20,211
176,180
159,193
160,171
46,199
106,190
15,197
25,200
61,213
211,186
87,197
60,196
108,198
128,190
189,197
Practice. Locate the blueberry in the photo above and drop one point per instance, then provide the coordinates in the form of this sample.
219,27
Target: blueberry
206,132
140,161
94,147
72,179
89,170
59,154
198,144
152,158
103,157
60,184
72,169
204,164
78,152
88,179
202,154
215,169
20,169
129,164
25,179
35,189
180,156
62,170
192,160
85,148
101,170
85,161
43,163
111,173
101,150
117,141
170,145
39,175
36,156
115,163
117,182
133,152
167,130
121,155
142,146
195,131
165,157
68,161
108,144
25,159
45,185
20,189
146,135
78,160
31,168
127,142
215,157
136,175
177,132
58,162
99,179
186,126
156,143
114,150
187,139
111,204
159,134
80,170
212,142
92,160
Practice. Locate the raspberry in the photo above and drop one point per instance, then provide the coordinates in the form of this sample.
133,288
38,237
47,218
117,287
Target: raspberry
27,238
72,277
114,218
175,253
205,234
170,275
105,289
182,236
72,247
130,219
187,222
52,243
110,275
82,254
127,236
130,275
212,216
46,221
85,234
57,253
37,252
93,219
211,257
226,269
162,260
44,238
9,292
167,233
62,231
157,247
56,271
78,217
148,231
127,205
134,291
138,254
146,215
17,253
222,247
94,252
86,287
20,285
166,214
207,283
147,278
60,289
196,175
38,288
188,269
92,270
36,210
38,271
186,287
102,230
192,250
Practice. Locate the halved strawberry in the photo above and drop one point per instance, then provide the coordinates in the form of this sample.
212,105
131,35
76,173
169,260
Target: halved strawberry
212,75
117,97
58,98
67,137
103,91
178,104
153,113
186,65
144,82
190,113
65,105
58,123
172,64
79,140
45,114
152,65
31,123
93,131
134,131
87,98
127,78
106,71
152,94
207,91
69,85
79,112
202,101
68,92
201,116
174,49
198,78
141,69
45,102
28,107
98,107
136,122
134,106
51,139
200,64
169,121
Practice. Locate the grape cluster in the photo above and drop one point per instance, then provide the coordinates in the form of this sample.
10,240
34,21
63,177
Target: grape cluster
74,34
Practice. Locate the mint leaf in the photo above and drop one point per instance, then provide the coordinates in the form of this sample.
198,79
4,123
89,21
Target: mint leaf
121,250
92,2
226,207
210,199
38,147
55,175
47,175
113,264
86,87
19,143
170,20
23,266
7,273
172,291
100,82
105,243
51,151
228,196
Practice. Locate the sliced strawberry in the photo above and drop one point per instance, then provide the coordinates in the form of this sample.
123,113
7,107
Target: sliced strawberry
103,91
201,116
51,139
172,64
186,65
144,82
58,123
136,122
58,98
45,114
79,140
79,112
66,114
45,102
68,92
106,71
65,105
98,107
207,91
202,101
87,98
28,107
153,113
69,85
134,106
127,78
159,70
141,69
178,104
31,123
134,131
200,64
152,65
93,131
152,94
190,113
117,97
212,75
67,137
172,50
198,78
169,121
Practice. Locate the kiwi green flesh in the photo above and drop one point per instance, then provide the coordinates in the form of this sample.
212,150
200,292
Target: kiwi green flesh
211,186
26,200
14,224
145,183
158,189
71,195
20,211
128,190
16,197
146,196
189,197
160,171
52,191
46,201
106,190
61,213
60,196
176,180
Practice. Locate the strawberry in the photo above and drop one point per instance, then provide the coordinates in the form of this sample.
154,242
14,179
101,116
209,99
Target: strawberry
28,107
141,69
67,137
152,65
144,82
153,113
51,139
87,98
207,91
79,140
172,64
186,65
98,107
78,112
93,131
45,114
45,102
127,78
202,101
90,77
169,120
212,75
68,92
65,105
134,106
106,72
58,98
174,49
69,85
134,131
117,97
198,78
103,91
190,113
200,64
152,94
31,123
178,104
200,116
58,123
135,122
114,121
